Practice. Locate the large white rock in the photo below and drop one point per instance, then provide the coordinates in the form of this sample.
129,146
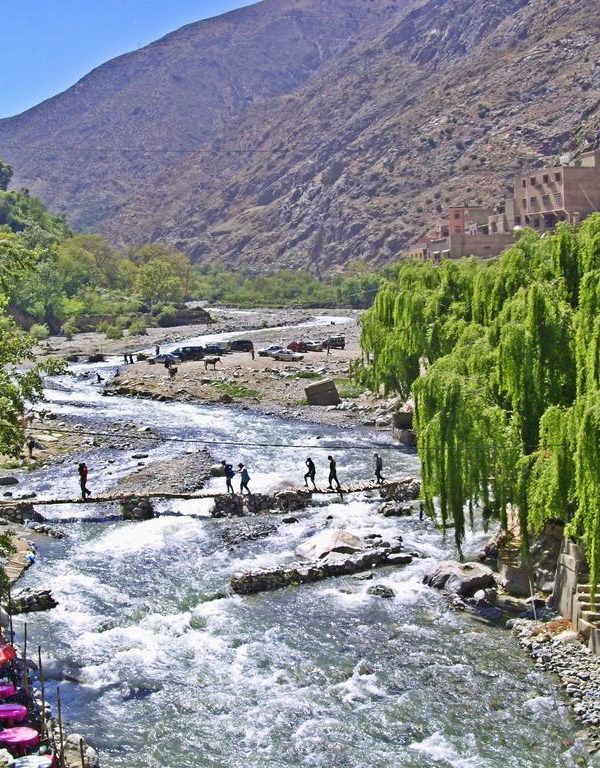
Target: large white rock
330,541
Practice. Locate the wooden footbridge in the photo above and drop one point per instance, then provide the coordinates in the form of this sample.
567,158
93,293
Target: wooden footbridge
388,487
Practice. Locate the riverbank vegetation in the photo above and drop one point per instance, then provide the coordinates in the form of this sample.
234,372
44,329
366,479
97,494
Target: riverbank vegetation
503,360
79,282
355,287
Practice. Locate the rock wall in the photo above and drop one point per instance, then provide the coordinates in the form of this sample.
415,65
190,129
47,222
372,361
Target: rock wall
571,594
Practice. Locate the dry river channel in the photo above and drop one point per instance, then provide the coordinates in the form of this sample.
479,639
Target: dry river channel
159,667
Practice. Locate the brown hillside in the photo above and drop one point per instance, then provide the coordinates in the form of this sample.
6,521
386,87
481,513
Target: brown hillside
87,150
441,108
432,103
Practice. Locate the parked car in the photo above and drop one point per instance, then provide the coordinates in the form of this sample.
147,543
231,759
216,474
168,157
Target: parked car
287,355
269,351
336,342
298,346
216,349
313,346
165,357
241,345
189,353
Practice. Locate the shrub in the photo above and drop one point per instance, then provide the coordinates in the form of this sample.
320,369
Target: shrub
114,332
137,327
39,332
69,329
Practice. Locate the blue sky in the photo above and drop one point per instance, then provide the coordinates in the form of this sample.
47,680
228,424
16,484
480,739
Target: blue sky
47,45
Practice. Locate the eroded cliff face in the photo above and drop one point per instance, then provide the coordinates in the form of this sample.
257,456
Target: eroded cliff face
413,106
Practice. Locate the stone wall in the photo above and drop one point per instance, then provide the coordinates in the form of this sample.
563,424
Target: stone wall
571,594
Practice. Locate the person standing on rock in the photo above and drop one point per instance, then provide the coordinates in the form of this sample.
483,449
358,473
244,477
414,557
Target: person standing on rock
310,475
244,478
378,468
157,350
83,475
333,474
229,475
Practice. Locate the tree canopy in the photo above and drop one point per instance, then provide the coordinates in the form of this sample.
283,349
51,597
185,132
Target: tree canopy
503,361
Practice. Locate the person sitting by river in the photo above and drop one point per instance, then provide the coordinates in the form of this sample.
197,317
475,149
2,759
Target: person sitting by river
244,478
229,475
333,474
83,475
310,475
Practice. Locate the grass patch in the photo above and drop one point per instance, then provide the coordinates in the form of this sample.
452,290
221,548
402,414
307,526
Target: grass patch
347,389
308,375
237,390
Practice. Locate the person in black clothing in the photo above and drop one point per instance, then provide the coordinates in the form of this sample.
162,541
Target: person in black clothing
157,350
244,478
333,474
310,475
229,474
378,468
83,474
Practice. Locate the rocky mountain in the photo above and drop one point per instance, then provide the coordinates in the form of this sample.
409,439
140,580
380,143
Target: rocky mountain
427,103
87,150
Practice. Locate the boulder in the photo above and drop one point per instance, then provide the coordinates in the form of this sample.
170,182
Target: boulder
72,753
217,470
229,505
403,490
29,601
324,543
322,393
398,559
463,579
380,590
137,509
9,480
395,509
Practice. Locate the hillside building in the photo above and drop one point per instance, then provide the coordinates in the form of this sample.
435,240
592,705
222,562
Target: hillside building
541,198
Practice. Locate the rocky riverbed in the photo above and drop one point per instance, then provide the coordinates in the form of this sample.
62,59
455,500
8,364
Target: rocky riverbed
557,648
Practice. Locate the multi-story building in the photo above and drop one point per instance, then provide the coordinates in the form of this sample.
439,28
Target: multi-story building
541,199
546,196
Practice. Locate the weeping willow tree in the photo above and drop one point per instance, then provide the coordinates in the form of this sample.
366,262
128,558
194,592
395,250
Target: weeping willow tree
508,408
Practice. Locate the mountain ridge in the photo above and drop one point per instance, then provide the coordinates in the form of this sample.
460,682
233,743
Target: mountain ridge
436,102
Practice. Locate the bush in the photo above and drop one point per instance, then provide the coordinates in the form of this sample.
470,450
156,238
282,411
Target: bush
69,329
39,332
114,332
137,327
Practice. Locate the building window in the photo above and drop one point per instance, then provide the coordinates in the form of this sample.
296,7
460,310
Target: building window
524,183
557,177
457,214
517,221
546,201
536,222
524,203
533,203
532,181
546,178
558,199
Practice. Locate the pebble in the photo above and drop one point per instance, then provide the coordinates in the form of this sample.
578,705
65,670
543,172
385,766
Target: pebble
577,668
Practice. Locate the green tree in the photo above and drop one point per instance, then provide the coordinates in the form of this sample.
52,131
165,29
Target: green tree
157,282
6,173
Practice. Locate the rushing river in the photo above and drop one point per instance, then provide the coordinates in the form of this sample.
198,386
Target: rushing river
171,674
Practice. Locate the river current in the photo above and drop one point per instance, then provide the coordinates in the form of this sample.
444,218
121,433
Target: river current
158,667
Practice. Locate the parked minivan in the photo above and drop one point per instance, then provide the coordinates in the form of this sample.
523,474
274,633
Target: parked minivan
336,342
241,345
